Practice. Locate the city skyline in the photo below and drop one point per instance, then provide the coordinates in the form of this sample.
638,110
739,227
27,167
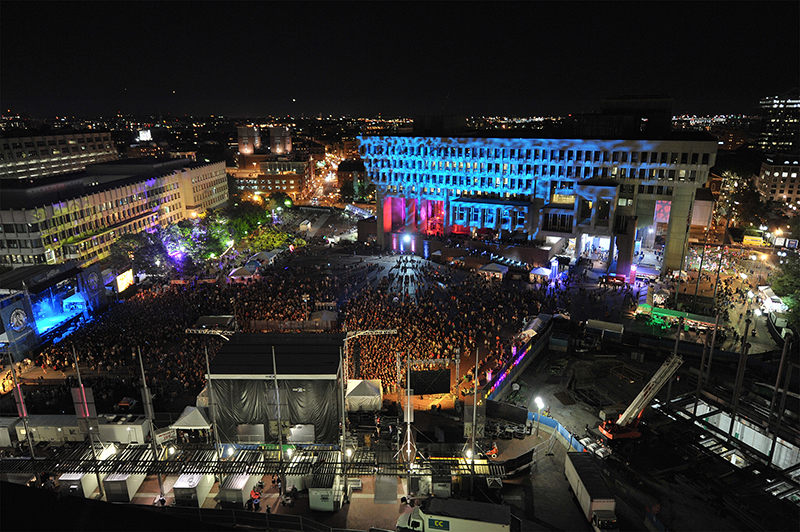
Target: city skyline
361,59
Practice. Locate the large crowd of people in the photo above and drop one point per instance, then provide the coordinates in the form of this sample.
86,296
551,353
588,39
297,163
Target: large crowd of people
438,313
434,316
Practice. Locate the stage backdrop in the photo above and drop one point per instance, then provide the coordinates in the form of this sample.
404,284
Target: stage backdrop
430,382
302,402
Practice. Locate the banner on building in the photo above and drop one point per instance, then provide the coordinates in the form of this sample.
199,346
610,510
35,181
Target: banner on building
90,284
19,325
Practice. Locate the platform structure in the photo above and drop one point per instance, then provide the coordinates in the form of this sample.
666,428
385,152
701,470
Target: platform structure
252,459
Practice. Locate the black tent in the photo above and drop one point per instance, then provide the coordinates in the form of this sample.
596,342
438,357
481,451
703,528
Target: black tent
309,386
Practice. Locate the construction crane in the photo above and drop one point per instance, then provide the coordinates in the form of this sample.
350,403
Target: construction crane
627,426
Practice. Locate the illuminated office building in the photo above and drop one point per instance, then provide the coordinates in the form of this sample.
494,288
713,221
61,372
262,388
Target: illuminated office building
777,180
78,216
42,156
780,123
616,195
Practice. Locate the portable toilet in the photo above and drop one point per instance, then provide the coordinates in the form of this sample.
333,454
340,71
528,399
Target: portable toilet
191,489
78,484
122,487
234,491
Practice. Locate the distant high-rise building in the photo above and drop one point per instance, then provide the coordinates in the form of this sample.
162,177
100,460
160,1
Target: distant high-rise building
280,140
47,155
781,123
777,180
249,139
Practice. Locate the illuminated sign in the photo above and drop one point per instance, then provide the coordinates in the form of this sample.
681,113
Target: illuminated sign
564,198
124,280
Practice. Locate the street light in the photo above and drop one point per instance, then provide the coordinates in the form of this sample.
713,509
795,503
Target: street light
539,405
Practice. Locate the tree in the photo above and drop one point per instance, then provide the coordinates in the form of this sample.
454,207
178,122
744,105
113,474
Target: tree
787,286
279,199
748,205
143,251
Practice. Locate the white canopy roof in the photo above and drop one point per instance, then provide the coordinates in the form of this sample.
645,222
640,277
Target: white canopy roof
192,418
240,272
541,271
494,268
262,256
364,395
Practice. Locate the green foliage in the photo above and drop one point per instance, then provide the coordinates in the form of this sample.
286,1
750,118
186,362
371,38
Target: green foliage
270,238
244,217
787,285
279,199
749,207
143,251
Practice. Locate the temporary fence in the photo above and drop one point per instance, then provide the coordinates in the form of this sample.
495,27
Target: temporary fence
243,518
519,362
558,433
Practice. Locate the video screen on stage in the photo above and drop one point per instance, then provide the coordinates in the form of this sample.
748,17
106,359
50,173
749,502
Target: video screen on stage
430,382
124,280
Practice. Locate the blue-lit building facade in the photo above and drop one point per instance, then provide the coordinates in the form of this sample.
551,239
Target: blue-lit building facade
615,195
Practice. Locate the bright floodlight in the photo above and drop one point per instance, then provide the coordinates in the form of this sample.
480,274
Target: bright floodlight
763,257
407,238
289,452
757,312
172,450
468,454
230,450
349,452
539,402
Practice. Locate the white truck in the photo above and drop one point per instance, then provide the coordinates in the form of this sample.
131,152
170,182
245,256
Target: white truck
589,487
455,515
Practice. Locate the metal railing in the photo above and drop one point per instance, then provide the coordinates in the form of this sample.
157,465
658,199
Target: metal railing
232,517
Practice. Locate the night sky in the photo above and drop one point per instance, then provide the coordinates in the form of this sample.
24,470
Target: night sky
394,58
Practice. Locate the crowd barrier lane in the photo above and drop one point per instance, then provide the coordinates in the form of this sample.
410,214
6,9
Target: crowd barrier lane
550,425
526,354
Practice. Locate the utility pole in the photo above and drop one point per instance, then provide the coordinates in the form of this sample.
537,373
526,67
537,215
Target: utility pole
21,408
740,375
149,414
344,427
675,354
700,378
474,419
213,408
700,270
721,255
280,428
86,415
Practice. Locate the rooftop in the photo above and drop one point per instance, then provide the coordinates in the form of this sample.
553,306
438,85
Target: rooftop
297,355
